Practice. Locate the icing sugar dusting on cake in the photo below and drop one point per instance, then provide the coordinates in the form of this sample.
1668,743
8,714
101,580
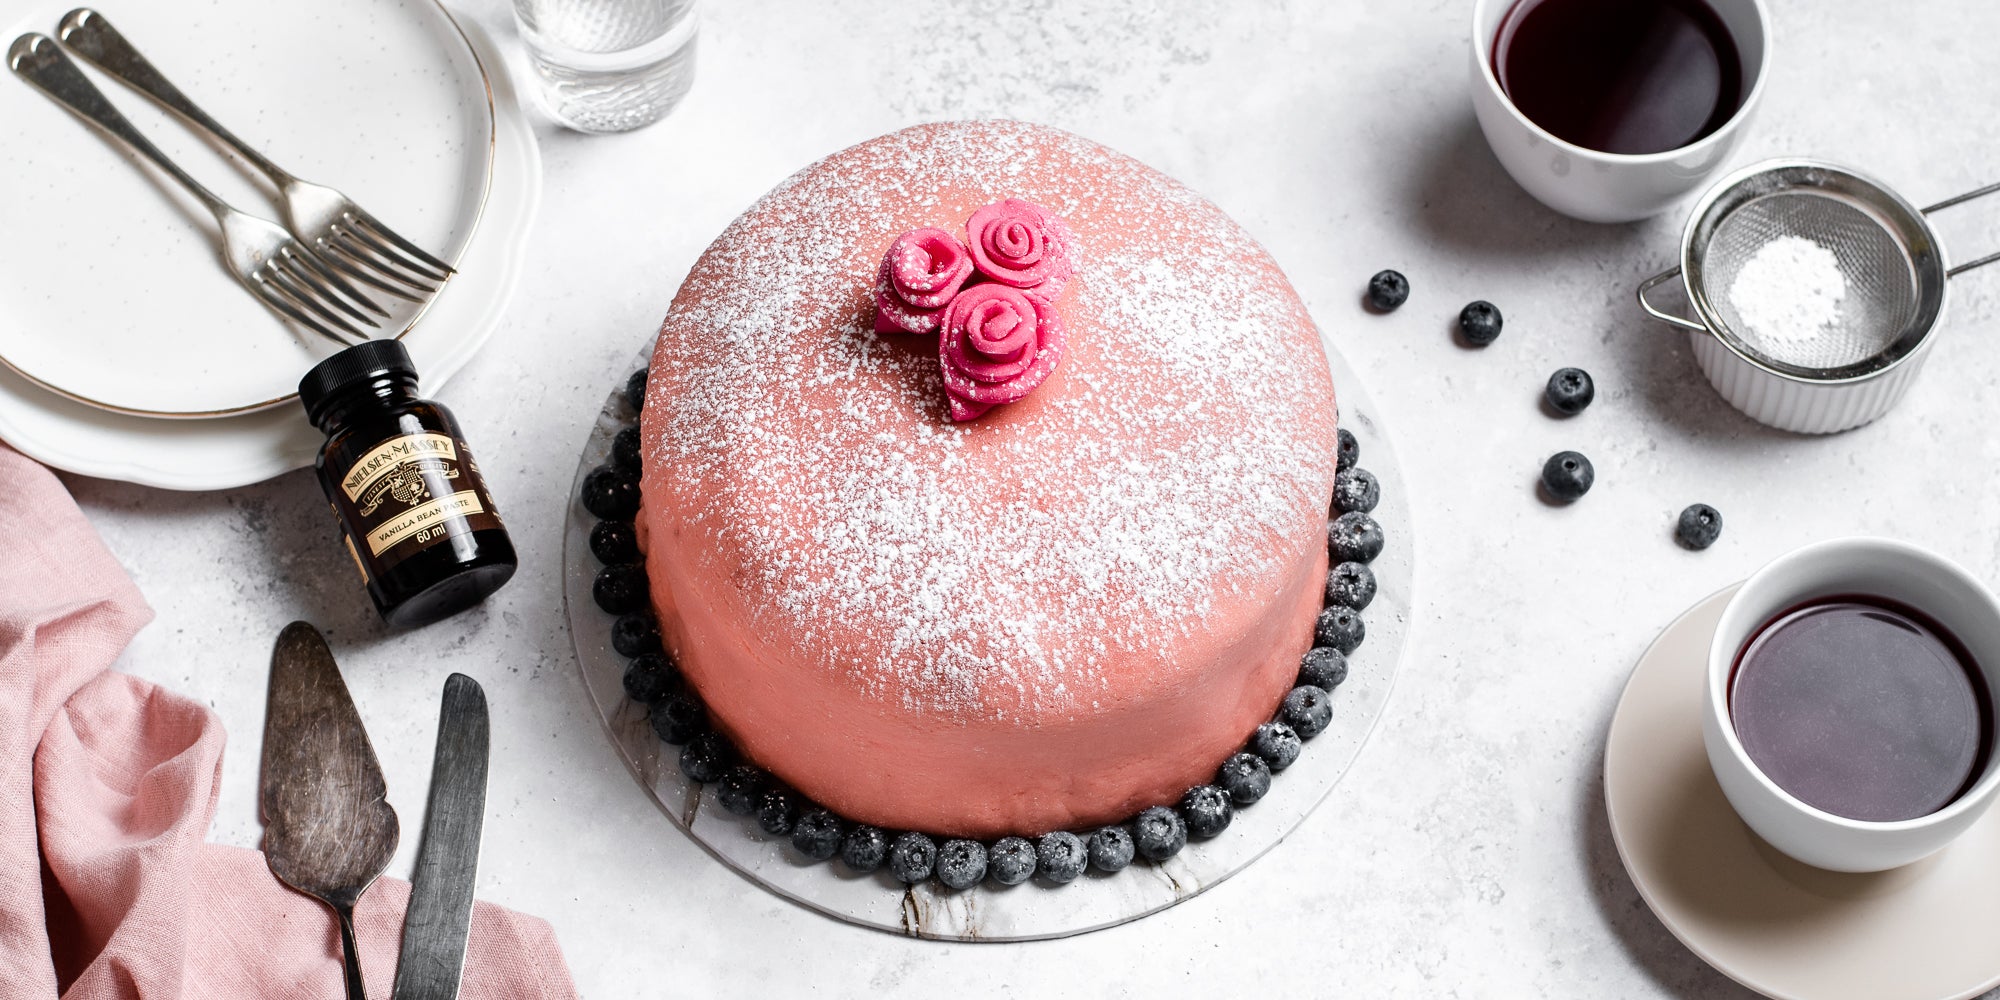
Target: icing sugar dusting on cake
815,457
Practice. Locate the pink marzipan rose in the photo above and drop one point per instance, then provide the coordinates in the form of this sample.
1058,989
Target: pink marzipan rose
921,272
999,343
1021,244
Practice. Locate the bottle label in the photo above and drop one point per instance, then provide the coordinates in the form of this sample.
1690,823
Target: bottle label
412,491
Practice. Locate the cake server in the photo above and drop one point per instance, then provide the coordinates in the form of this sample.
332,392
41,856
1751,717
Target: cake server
440,914
328,827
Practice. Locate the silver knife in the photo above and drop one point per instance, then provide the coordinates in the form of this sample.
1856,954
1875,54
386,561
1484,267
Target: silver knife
440,913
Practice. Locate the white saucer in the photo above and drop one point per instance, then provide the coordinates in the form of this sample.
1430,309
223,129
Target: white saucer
232,451
1928,931
1033,910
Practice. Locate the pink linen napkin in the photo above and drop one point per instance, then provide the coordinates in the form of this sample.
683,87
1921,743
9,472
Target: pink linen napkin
107,787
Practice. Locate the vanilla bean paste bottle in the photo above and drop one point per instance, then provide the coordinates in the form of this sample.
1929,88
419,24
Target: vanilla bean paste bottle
413,510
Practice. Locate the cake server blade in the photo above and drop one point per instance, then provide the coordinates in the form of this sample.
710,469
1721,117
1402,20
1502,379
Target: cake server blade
440,914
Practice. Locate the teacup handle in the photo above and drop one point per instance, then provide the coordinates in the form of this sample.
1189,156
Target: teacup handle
1961,199
1660,314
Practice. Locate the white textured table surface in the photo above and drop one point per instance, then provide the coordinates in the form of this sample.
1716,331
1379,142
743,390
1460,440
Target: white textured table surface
1466,853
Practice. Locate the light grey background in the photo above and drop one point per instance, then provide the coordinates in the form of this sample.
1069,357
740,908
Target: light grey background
1466,853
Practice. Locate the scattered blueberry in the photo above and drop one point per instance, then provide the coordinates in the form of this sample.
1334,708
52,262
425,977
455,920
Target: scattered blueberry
864,848
621,589
636,634
1567,476
1387,290
1307,710
1062,855
1350,585
625,450
818,833
650,677
1277,744
611,494
635,389
961,863
707,757
1347,451
1207,810
1570,390
1013,860
678,719
1159,833
777,811
1354,537
614,542
740,789
1245,777
1323,667
1110,848
912,856
1340,628
1356,490
1479,323
1699,527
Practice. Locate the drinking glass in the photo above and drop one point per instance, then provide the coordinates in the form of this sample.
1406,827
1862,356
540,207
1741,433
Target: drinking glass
610,65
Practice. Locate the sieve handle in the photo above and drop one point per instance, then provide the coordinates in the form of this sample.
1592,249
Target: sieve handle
1961,199
1660,314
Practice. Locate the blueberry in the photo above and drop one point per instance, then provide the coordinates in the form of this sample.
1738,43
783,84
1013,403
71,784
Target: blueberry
865,848
1567,476
1387,290
611,494
625,450
1277,744
651,677
622,588
1323,667
678,719
635,389
1340,628
1570,390
707,757
1356,490
777,811
817,834
1307,710
1062,855
1479,323
961,863
636,634
1245,777
1350,585
1347,451
614,542
740,788
1207,810
1013,860
1354,537
1159,833
1110,848
1699,527
912,856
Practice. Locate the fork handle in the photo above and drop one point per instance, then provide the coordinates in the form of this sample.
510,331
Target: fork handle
91,35
37,58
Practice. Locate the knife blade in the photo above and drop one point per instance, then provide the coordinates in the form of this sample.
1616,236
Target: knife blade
439,919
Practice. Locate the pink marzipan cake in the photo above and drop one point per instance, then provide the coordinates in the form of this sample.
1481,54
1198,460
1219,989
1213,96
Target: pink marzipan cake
1050,617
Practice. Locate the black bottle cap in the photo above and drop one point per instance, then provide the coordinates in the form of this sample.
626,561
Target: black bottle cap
364,362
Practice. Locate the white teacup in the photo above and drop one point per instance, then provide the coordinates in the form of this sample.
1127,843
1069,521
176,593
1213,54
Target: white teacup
1901,573
1611,187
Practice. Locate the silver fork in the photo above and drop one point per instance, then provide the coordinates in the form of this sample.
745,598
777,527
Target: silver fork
278,269
345,235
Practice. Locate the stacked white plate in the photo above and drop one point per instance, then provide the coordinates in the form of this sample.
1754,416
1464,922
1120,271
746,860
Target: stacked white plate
126,350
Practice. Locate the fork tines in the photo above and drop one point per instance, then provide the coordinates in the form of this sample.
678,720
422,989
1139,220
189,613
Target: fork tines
372,252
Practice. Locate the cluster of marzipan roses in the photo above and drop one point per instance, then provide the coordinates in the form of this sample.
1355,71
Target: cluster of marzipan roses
990,298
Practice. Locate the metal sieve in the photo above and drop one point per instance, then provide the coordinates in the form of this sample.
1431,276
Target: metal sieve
1870,263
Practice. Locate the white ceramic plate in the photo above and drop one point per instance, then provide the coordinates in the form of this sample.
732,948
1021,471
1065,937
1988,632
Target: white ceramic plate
1032,910
112,289
233,451
1925,931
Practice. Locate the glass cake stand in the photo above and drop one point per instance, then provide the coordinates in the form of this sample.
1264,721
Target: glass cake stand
1033,910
